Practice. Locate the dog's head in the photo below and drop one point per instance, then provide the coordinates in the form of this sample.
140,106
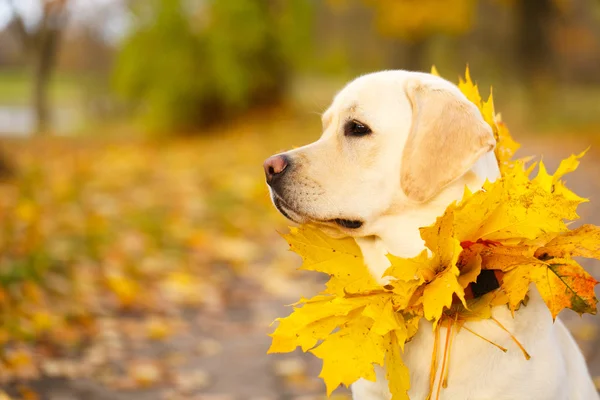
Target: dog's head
392,141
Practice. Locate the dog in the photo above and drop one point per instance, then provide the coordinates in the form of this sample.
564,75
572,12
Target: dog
397,148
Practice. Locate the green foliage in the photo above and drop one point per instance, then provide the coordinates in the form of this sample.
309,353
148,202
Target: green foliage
187,66
15,88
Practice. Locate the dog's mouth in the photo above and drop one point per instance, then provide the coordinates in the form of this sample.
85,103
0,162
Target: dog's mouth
290,213
348,223
285,210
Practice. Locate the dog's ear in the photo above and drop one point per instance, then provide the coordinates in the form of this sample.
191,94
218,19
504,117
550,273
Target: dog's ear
448,135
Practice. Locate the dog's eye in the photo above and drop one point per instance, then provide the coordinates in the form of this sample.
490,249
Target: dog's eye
356,128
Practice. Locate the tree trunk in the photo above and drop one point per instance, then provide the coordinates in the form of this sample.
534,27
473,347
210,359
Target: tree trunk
41,109
7,168
534,47
411,57
43,61
416,55
41,45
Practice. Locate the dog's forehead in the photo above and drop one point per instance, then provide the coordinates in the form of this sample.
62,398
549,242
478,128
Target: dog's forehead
378,93
372,93
368,89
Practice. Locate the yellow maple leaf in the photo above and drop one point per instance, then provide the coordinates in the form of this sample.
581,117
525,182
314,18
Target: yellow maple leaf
470,89
438,294
513,207
341,366
409,269
365,313
314,321
553,184
397,372
517,225
581,242
305,337
565,284
324,254
470,268
385,318
441,240
505,257
409,274
516,284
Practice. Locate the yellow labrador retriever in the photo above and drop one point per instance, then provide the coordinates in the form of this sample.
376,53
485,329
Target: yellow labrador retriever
397,148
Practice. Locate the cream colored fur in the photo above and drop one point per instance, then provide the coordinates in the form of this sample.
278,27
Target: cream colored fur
394,191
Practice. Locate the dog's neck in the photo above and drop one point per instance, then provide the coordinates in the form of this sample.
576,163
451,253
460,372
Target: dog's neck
398,233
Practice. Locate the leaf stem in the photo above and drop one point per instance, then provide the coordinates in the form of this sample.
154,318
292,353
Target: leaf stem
433,361
453,334
445,358
487,340
525,353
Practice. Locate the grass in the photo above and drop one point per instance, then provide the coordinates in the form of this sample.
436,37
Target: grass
15,88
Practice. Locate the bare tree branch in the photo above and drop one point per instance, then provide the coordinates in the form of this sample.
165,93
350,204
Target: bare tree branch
41,43
19,24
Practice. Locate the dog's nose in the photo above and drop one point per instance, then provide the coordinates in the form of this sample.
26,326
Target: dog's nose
275,166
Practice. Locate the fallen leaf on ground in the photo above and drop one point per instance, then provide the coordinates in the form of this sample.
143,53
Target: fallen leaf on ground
145,373
158,329
191,381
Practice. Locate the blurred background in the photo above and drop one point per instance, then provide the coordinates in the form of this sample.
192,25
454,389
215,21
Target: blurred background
139,253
